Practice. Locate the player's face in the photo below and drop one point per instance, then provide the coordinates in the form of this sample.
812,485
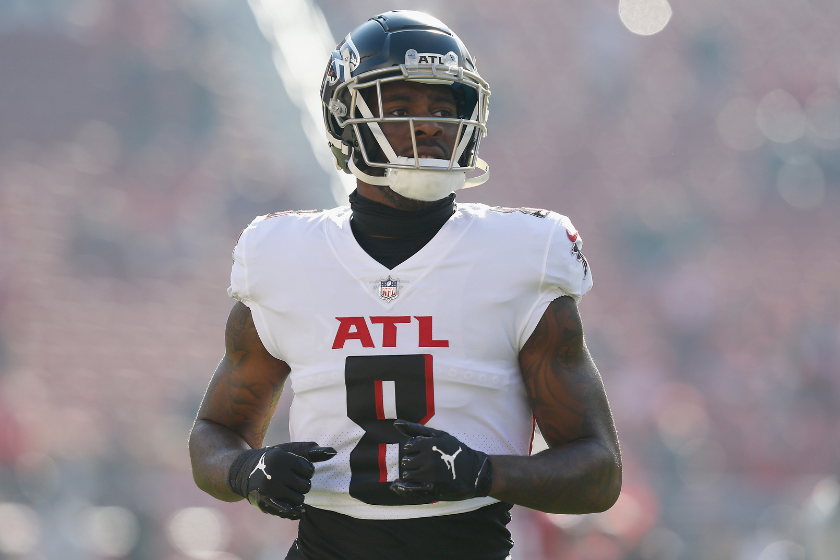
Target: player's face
413,99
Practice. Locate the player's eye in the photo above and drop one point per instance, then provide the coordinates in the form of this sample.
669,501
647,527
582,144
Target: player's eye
444,113
397,113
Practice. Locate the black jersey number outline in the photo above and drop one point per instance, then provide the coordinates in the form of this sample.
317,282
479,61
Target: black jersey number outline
413,379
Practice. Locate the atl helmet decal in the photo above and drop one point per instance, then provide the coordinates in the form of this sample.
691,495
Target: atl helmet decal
413,58
572,235
389,289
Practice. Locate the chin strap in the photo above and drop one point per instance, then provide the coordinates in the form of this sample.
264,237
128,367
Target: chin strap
480,179
369,179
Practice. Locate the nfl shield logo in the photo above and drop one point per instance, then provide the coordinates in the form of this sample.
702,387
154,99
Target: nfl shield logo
389,289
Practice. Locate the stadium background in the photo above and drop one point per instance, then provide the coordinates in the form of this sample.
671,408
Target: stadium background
701,164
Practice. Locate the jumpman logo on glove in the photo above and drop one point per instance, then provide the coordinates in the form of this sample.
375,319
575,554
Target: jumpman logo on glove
261,467
448,459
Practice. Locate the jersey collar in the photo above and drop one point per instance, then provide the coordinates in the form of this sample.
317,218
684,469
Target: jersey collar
365,268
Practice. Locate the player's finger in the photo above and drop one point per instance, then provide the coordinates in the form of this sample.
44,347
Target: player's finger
289,496
411,429
310,451
299,484
286,511
420,473
299,448
408,475
301,467
415,445
318,454
266,507
406,488
410,462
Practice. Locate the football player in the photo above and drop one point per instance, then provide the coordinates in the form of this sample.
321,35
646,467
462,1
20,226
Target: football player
423,339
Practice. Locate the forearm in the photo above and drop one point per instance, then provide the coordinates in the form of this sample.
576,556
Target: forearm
213,448
582,476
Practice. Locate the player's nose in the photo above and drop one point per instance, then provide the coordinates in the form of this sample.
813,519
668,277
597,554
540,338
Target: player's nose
428,128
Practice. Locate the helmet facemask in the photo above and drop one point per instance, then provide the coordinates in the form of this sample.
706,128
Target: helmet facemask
356,105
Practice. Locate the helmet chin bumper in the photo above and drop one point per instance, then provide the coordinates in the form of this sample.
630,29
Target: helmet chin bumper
425,184
428,180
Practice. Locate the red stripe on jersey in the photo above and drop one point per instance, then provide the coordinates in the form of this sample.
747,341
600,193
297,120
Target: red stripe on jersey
430,388
380,404
383,468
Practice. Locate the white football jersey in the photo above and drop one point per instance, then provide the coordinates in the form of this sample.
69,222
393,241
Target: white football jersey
435,340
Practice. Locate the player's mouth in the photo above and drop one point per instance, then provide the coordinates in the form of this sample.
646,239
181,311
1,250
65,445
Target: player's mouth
426,152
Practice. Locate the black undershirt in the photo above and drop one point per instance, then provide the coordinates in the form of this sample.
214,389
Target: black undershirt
392,236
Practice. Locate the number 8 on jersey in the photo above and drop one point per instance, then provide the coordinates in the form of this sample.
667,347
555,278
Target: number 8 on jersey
381,389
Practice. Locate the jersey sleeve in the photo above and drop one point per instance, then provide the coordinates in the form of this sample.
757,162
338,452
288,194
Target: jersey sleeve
566,272
238,288
566,269
241,277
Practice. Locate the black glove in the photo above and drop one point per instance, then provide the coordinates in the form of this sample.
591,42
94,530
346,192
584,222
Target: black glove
437,466
275,478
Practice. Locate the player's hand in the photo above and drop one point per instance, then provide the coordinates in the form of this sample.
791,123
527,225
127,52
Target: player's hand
275,478
437,466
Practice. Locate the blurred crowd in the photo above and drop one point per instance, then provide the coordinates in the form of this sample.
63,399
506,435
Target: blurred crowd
700,164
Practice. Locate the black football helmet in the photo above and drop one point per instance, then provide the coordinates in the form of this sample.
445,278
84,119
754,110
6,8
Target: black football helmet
401,45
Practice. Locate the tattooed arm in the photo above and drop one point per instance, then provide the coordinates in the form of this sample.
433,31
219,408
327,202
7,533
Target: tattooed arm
580,472
237,406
